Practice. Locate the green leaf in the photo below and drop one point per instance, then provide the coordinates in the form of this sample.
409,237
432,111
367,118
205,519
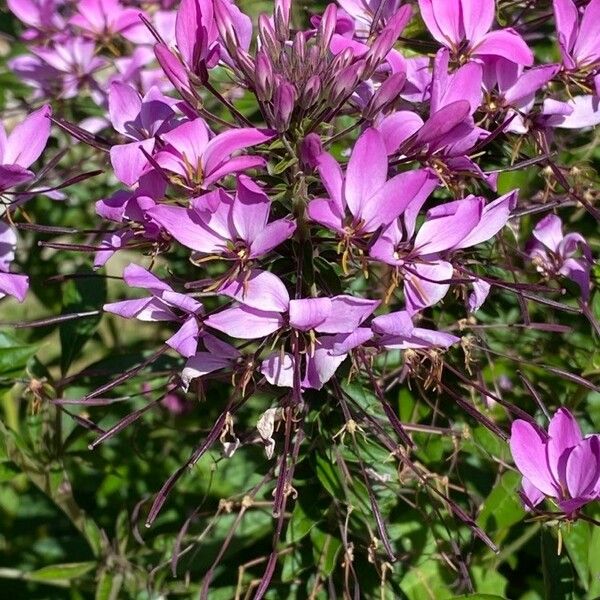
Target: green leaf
80,295
424,582
326,548
577,540
14,355
502,508
61,572
329,476
479,597
109,586
558,573
594,565
300,524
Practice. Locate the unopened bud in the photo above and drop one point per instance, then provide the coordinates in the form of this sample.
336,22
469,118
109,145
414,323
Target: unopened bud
311,92
310,150
388,92
283,105
225,25
327,27
263,76
268,37
299,48
281,18
378,51
346,81
245,63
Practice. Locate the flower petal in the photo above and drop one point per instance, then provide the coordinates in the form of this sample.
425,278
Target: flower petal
261,290
583,467
507,43
347,313
28,139
528,449
563,435
245,323
367,170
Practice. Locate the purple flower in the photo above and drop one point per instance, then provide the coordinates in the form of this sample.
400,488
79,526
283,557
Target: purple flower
464,27
63,69
200,161
555,254
265,307
140,120
102,19
396,331
236,228
23,147
163,304
560,464
42,16
363,13
445,139
196,36
216,355
10,283
578,39
451,226
363,199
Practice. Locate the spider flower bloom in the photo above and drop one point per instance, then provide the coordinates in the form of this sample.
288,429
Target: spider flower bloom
24,145
265,307
396,331
163,304
464,27
199,161
236,228
63,69
364,191
103,19
554,253
42,16
560,464
578,39
364,11
196,36
139,120
11,284
448,227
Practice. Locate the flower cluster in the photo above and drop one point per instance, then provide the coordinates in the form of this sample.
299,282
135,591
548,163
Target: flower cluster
342,188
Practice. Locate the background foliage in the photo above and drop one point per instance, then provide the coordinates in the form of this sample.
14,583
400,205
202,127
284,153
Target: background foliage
72,519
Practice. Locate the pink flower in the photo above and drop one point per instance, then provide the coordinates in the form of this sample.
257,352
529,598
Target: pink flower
363,199
556,254
236,228
464,27
163,304
201,161
560,464
23,147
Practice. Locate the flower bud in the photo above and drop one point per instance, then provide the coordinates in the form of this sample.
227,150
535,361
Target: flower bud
263,76
388,92
283,105
268,37
281,18
378,51
299,48
311,92
344,84
327,27
245,63
225,25
310,150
